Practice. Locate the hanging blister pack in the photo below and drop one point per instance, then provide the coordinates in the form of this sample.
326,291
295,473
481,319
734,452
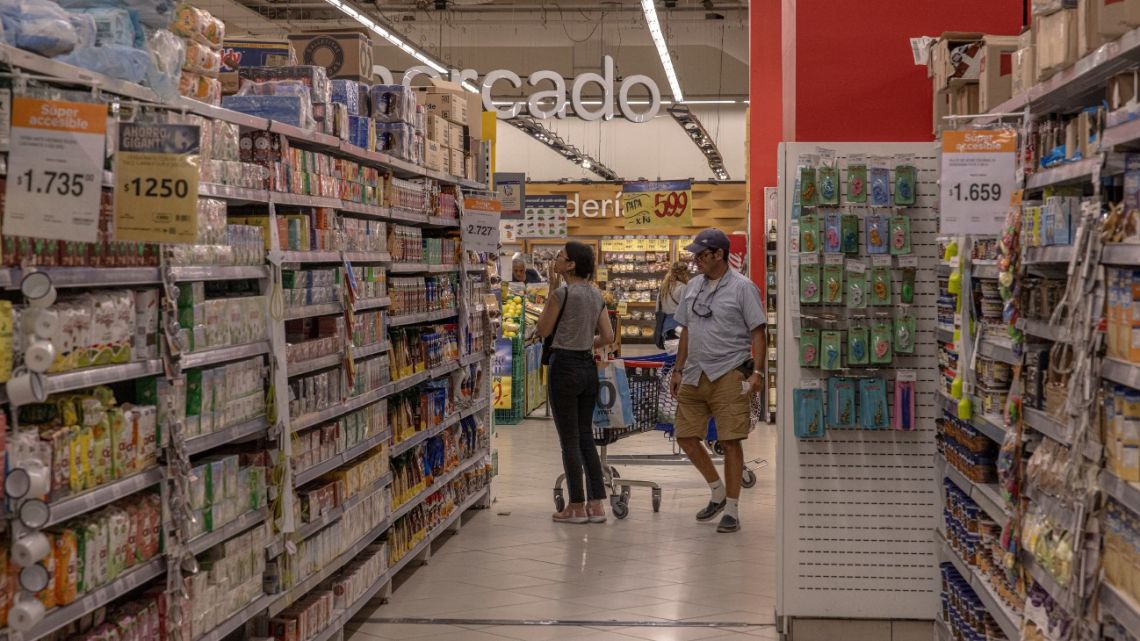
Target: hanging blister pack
841,402
900,235
808,413
858,350
909,265
831,349
809,195
880,286
809,347
849,234
827,179
833,280
857,295
881,351
857,179
906,180
904,418
809,278
874,414
878,231
832,233
906,326
809,233
880,189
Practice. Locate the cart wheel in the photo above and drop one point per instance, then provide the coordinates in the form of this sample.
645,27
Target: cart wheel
620,508
559,500
718,448
656,499
748,479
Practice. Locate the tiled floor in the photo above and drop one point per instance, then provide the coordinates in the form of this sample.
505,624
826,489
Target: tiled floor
511,564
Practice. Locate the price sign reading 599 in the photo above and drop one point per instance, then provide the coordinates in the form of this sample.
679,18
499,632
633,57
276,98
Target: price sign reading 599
673,204
973,192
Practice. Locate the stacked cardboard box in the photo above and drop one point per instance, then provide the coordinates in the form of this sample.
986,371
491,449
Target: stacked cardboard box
446,127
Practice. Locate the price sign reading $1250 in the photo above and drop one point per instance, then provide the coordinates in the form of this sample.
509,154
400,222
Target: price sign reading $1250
156,183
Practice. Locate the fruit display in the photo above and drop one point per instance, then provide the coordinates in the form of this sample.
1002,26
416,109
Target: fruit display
512,316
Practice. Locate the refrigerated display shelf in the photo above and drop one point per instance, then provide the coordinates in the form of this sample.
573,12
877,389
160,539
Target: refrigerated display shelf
59,617
232,434
988,496
246,521
1008,620
422,317
313,311
72,506
436,486
423,435
219,355
324,467
277,547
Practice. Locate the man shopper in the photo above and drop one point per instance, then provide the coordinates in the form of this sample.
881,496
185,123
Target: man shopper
716,375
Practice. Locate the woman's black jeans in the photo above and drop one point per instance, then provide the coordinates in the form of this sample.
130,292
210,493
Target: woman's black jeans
572,389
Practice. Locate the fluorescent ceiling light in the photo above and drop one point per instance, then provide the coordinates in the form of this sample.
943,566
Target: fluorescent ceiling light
375,28
662,50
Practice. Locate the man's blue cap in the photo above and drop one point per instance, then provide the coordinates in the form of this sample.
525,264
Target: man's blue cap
709,239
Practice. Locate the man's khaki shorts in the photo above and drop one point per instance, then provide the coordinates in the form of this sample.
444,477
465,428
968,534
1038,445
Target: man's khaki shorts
720,399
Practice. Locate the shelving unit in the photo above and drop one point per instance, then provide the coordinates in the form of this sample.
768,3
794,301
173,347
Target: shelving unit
271,351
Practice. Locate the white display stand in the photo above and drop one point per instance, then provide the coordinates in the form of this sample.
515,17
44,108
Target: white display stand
857,507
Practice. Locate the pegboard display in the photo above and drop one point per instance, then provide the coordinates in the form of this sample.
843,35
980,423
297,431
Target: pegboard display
858,505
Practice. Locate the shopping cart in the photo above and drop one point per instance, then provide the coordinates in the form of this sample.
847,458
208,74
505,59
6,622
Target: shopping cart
645,386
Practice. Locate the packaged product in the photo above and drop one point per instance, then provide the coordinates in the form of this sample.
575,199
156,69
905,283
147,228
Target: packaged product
66,554
114,26
39,27
198,25
47,595
122,62
85,30
200,87
202,59
118,537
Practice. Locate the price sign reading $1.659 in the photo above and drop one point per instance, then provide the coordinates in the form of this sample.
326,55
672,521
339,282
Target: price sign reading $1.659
977,180
55,169
156,183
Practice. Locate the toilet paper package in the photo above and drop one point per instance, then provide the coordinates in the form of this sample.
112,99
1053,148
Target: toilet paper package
115,26
156,14
347,93
393,103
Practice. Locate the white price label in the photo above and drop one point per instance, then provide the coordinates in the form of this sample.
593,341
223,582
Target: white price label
480,230
977,180
55,169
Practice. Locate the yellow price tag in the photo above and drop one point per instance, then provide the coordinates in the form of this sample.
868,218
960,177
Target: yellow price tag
156,183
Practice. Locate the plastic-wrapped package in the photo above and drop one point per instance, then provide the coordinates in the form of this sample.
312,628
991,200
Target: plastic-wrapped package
155,14
362,132
198,25
314,77
395,138
85,29
365,103
113,26
293,110
393,103
347,93
198,87
276,88
41,27
116,61
202,59
166,73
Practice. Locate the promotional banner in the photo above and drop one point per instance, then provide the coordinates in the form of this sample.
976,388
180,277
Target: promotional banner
511,191
55,169
156,183
977,180
501,374
545,217
646,205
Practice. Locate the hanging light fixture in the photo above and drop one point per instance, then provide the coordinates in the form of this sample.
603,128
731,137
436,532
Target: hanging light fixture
658,36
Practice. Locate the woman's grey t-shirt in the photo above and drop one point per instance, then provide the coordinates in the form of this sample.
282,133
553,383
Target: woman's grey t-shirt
579,317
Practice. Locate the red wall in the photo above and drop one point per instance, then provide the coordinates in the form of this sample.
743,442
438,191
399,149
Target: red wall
765,112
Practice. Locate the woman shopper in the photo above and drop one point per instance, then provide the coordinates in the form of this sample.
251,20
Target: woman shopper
672,288
576,316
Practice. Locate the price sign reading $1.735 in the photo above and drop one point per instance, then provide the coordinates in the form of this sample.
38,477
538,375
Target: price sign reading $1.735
156,183
977,180
55,169
479,227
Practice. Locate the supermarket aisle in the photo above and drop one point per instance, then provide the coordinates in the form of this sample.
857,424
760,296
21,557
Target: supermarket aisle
512,563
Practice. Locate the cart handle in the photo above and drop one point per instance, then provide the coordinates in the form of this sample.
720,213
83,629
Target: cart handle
645,364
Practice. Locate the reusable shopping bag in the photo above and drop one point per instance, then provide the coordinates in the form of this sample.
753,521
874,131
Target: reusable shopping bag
614,408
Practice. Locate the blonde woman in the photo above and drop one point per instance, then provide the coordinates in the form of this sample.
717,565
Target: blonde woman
672,289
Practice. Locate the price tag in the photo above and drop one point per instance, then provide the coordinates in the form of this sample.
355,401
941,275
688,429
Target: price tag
977,180
908,261
833,259
857,266
623,308
809,258
881,261
603,274
480,230
810,383
156,183
657,204
55,169
906,375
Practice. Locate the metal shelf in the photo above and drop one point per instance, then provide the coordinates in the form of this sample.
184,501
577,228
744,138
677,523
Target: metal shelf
1114,601
91,276
423,317
1125,493
992,349
353,404
988,496
237,619
293,257
328,465
401,215
439,484
218,355
1045,579
415,268
1048,255
233,194
235,433
469,359
372,303
991,425
1121,372
73,506
423,435
1047,424
1009,621
1043,329
942,630
368,257
455,515
1121,254
312,311
314,364
371,350
306,530
132,579
1081,171
988,271
203,542
218,272
372,211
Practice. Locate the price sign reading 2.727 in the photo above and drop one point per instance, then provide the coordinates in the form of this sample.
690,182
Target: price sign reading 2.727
479,230
977,180
156,183
55,169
